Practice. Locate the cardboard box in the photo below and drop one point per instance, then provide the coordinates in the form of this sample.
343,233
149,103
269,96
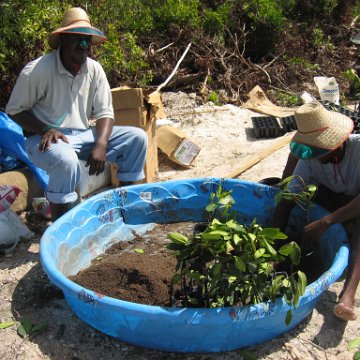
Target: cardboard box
151,164
132,117
127,98
139,107
174,143
136,106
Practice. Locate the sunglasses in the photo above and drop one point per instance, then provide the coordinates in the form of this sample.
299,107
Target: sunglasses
81,40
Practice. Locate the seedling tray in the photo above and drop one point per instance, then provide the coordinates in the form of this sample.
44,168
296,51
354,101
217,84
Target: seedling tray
355,116
266,127
288,123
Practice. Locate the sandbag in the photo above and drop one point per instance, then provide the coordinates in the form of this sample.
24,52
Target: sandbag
26,181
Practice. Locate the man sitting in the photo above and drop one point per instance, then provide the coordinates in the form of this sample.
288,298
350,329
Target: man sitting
53,100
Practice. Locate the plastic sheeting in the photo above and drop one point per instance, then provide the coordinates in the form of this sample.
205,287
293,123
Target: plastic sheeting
91,227
12,142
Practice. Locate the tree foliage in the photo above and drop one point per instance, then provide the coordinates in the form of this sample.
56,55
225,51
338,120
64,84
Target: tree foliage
230,39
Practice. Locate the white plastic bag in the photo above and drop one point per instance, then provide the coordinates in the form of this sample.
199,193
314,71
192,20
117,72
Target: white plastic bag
12,230
328,89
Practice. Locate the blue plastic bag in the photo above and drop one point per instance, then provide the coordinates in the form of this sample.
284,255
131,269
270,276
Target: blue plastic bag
8,162
12,142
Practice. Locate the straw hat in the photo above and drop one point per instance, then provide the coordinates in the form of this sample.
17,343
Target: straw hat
320,131
76,21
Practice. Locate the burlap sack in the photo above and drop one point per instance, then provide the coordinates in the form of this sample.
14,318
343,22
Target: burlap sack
27,183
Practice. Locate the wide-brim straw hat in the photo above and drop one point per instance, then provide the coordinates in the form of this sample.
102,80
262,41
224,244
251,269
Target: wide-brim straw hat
76,21
320,131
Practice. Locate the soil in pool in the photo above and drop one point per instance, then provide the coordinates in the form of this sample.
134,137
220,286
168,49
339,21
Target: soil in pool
140,270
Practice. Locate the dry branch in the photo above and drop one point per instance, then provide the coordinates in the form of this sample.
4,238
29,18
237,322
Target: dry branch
175,69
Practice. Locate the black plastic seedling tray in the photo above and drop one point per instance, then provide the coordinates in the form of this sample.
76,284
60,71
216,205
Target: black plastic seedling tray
288,123
269,127
355,116
266,127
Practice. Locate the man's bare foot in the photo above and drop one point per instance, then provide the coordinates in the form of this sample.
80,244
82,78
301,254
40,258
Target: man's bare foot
344,312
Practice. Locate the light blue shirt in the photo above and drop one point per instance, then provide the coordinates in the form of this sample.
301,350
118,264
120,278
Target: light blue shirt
58,98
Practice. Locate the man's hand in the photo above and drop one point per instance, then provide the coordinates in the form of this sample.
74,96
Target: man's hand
51,136
96,159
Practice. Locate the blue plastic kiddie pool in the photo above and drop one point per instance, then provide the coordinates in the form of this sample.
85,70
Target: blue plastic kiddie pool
90,228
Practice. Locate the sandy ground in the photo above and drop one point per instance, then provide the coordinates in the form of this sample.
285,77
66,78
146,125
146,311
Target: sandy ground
226,139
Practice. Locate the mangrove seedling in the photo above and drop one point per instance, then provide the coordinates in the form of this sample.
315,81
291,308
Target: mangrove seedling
232,264
293,188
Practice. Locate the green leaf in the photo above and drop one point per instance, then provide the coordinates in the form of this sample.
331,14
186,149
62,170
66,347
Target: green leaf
219,232
269,248
227,200
357,355
354,344
232,279
295,254
139,250
273,233
216,222
217,269
236,239
239,263
302,283
6,324
229,247
286,283
232,224
285,250
210,208
214,235
178,238
259,253
25,327
288,317
296,297
176,278
293,250
312,189
39,327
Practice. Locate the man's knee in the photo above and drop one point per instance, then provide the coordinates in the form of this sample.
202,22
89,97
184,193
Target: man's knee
140,137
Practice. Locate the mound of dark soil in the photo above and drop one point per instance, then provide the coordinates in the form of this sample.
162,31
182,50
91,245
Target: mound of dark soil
140,270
